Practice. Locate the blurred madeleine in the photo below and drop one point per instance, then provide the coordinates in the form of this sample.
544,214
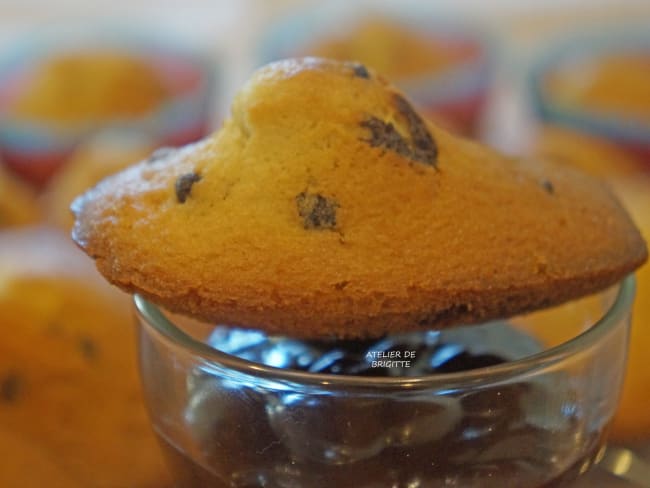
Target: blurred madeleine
89,87
592,154
444,66
69,387
24,463
596,81
17,201
614,84
100,156
60,86
390,48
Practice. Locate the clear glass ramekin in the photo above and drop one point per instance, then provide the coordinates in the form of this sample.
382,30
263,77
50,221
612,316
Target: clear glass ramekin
537,420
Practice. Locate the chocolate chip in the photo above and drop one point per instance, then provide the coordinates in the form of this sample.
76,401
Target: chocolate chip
160,153
360,70
10,386
548,187
88,348
421,147
341,284
424,147
184,185
54,329
317,211
383,134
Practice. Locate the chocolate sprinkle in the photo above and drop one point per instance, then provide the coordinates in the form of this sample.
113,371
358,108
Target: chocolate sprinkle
317,211
548,186
341,284
421,147
360,71
88,348
383,134
10,386
424,147
184,185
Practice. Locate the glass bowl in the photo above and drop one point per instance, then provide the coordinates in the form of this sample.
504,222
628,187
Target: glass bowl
530,406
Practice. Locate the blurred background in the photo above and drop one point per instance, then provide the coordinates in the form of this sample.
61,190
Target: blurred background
87,88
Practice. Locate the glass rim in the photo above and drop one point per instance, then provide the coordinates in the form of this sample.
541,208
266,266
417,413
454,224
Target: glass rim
151,315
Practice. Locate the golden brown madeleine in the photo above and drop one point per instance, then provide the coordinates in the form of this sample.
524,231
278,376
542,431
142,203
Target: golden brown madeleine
69,386
326,205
